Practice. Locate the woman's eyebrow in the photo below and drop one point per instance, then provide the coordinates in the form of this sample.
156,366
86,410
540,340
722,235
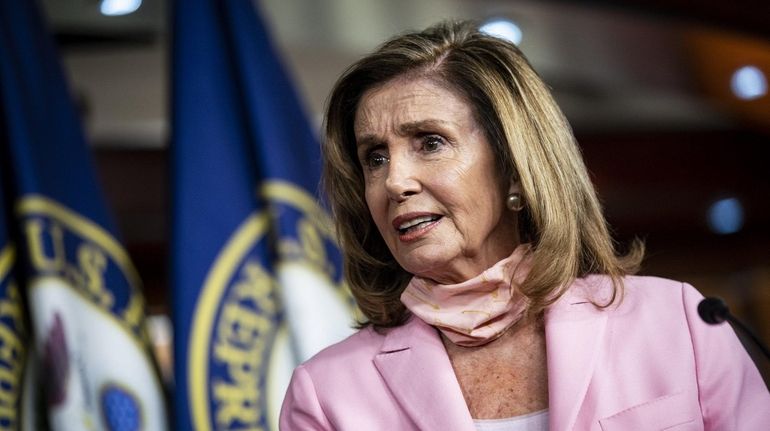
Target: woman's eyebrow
367,141
420,126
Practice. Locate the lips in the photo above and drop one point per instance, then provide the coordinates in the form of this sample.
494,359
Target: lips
413,225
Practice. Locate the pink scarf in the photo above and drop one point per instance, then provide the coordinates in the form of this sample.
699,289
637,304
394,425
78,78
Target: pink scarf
476,311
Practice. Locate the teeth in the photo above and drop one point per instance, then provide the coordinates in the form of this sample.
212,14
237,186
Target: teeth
415,221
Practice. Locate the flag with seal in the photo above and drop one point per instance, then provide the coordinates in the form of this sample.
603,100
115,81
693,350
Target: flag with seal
257,277
84,299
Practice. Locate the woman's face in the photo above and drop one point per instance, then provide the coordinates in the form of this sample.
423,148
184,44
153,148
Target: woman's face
431,183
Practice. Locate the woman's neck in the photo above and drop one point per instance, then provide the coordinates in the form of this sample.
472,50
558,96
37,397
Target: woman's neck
506,377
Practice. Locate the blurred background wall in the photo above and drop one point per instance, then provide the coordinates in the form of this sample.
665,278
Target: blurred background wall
668,100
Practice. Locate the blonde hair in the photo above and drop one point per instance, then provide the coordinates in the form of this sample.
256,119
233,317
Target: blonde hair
533,144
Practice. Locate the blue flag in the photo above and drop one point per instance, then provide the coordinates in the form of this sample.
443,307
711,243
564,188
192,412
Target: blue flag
83,294
256,275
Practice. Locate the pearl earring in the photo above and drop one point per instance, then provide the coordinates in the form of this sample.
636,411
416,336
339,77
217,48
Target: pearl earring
514,202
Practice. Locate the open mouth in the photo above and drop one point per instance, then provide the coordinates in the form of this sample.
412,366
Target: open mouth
417,223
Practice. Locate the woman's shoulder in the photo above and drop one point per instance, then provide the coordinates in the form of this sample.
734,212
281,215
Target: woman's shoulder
634,294
651,288
600,286
658,285
662,292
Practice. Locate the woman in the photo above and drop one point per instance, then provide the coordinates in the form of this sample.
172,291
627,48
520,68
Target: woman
476,247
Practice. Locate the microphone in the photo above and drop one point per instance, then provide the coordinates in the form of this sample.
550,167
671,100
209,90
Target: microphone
714,311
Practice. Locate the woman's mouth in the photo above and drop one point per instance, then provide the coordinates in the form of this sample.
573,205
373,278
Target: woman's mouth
413,228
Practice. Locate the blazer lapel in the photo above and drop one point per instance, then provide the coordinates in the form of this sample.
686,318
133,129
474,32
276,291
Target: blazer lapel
574,329
416,368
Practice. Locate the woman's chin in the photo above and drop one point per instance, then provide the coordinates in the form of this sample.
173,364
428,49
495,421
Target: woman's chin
429,265
420,265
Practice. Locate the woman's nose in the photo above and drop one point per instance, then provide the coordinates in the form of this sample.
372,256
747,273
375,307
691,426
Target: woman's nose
402,180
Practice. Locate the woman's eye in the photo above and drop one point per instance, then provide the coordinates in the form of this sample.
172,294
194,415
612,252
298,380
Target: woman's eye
375,160
432,143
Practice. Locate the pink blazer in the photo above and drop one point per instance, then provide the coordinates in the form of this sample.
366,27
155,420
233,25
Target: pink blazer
648,364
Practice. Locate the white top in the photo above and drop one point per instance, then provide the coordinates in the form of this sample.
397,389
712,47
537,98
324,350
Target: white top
536,421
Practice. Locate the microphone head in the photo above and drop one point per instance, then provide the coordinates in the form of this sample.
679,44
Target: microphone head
713,310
